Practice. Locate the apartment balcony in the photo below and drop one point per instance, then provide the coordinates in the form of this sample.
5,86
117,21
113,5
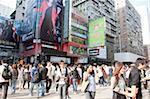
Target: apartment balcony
83,36
78,2
79,26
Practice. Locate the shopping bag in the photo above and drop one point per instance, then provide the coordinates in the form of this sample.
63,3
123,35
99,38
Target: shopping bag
84,86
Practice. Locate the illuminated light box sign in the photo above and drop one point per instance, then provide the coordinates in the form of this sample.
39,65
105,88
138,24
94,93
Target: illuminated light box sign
97,30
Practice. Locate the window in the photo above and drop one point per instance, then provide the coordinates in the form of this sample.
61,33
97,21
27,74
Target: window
23,7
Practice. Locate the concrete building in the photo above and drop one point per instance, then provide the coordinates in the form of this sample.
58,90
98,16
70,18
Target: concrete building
76,46
5,11
148,13
20,10
95,9
130,41
147,52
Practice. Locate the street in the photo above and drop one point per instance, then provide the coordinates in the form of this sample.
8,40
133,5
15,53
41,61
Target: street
102,93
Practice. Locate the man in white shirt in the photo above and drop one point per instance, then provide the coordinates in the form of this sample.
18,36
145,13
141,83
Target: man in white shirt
49,76
3,82
62,73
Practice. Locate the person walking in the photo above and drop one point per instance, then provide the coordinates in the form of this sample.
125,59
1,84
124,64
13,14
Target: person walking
118,82
49,77
35,79
20,77
63,73
57,76
14,78
135,90
101,76
75,78
26,77
43,73
89,76
135,79
5,76
80,73
147,78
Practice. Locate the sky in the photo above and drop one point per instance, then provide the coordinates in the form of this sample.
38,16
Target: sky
140,5
9,3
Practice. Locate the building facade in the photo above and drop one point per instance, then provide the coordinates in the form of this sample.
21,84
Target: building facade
40,32
20,10
147,52
148,13
129,38
95,9
76,45
8,38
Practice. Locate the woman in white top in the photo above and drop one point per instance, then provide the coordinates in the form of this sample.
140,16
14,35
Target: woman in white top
20,77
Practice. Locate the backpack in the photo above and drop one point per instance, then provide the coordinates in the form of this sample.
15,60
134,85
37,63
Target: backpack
76,74
36,76
26,76
7,74
43,73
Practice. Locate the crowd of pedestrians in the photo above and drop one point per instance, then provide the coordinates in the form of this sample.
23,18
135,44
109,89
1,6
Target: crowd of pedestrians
125,80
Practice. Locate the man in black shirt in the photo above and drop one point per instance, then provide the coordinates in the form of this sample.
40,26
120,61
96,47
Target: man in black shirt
135,79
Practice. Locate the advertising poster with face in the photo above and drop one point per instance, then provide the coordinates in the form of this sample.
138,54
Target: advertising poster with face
51,20
29,22
7,31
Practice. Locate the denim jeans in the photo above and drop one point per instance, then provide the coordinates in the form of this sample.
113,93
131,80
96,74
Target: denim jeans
32,87
13,86
42,87
4,90
63,91
74,81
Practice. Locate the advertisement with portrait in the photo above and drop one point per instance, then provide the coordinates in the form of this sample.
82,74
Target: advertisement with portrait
97,30
8,34
51,21
29,23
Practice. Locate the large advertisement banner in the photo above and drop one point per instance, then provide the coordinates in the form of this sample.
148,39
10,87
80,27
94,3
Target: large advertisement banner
97,30
29,23
47,15
51,20
7,31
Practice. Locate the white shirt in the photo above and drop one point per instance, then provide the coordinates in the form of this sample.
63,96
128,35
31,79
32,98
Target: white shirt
100,73
1,71
106,68
49,72
52,70
20,74
79,72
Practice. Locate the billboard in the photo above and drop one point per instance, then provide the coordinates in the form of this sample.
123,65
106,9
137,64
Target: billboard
77,50
102,52
97,30
28,26
7,31
51,20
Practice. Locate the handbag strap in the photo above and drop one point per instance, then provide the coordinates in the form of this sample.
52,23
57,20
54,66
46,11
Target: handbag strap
116,83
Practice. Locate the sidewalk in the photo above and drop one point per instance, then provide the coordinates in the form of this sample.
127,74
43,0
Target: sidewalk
101,93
